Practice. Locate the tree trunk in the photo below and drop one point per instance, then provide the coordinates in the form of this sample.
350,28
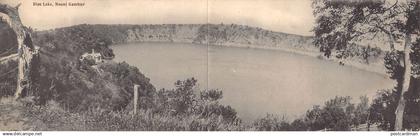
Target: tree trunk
26,50
399,112
26,54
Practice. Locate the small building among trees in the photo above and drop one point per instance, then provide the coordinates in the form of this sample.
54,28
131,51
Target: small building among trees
93,56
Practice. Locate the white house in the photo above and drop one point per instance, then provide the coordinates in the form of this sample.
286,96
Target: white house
97,57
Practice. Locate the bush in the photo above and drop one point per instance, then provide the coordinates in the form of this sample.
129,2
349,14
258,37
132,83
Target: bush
183,101
175,110
337,114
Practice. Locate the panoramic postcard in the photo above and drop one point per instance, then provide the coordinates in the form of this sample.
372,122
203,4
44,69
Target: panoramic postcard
209,65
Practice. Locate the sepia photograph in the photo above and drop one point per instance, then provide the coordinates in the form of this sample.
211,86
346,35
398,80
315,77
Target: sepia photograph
210,65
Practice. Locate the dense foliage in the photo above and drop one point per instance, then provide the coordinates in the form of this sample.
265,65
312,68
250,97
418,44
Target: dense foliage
340,25
337,114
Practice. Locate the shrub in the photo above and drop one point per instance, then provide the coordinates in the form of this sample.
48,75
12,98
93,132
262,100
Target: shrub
271,123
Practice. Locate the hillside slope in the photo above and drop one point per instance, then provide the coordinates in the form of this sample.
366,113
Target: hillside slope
79,85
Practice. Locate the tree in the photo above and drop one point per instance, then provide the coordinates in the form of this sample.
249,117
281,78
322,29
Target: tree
340,24
186,100
382,109
298,125
27,51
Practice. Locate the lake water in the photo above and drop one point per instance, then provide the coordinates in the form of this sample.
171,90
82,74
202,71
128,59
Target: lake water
254,81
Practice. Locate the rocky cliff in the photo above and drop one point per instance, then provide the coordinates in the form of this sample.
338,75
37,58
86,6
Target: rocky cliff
360,56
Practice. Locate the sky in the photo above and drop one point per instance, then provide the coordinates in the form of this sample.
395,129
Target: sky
289,16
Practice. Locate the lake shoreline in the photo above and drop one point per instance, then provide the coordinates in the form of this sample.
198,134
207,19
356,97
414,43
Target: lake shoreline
377,69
